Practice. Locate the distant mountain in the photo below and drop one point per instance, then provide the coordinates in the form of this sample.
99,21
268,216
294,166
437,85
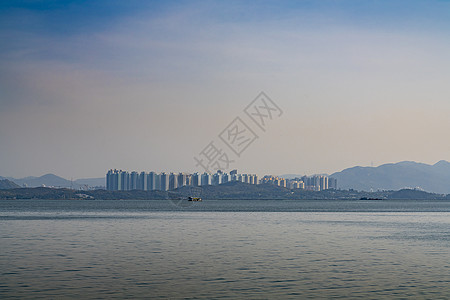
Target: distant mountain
431,178
51,180
45,180
7,184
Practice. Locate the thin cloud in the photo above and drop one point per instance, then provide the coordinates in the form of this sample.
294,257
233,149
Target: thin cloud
170,77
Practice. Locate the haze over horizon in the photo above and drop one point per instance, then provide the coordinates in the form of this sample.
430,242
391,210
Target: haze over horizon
86,87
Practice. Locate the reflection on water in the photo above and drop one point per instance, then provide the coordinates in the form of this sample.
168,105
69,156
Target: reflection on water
256,249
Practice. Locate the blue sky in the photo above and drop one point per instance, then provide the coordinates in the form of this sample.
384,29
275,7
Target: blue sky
92,85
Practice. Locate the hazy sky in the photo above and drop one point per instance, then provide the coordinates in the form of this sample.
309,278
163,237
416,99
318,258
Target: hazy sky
86,86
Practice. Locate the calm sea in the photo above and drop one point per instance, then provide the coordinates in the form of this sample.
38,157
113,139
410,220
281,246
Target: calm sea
224,249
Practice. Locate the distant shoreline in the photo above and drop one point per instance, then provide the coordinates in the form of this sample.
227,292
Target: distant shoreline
230,191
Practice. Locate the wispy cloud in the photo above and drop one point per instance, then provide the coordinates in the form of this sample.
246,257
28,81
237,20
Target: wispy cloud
138,72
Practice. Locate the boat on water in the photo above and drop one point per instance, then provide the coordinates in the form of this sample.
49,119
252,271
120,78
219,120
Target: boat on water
194,199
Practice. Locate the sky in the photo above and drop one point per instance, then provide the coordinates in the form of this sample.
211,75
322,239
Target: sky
86,86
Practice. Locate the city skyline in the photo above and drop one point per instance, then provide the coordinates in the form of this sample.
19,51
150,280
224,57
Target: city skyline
122,180
87,86
401,175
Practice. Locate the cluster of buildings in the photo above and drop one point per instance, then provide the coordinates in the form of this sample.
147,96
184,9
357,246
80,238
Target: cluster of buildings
119,180
311,183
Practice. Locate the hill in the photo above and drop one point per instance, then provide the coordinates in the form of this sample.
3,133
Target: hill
431,178
51,180
411,194
232,190
235,190
45,180
63,193
7,184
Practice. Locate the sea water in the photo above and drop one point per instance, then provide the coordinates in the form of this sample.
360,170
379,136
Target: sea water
224,249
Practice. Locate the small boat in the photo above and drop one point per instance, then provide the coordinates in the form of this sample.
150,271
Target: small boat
194,199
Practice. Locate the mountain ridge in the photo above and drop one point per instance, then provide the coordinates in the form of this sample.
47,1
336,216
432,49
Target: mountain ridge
394,176
228,191
8,184
390,176
52,180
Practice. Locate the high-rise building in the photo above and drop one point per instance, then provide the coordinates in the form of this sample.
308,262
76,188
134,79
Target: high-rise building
225,178
301,185
109,180
188,179
216,179
239,177
151,181
323,183
113,179
317,182
182,179
332,183
158,182
124,181
196,179
164,178
206,179
119,180
173,181
233,177
245,178
133,180
142,181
